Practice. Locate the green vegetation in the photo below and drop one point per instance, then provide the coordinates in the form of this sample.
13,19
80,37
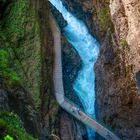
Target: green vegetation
7,137
20,60
11,127
104,18
6,71
10,33
21,44
16,19
123,43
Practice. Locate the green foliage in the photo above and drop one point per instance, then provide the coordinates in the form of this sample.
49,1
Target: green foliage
3,59
104,18
11,119
23,33
8,137
20,38
6,71
123,43
12,126
16,19
12,31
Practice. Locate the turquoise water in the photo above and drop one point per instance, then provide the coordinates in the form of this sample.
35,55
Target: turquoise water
87,47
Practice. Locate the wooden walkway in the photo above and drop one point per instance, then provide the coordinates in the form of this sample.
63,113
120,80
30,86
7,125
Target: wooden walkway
59,90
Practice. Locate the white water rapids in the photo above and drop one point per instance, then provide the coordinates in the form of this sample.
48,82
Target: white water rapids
87,47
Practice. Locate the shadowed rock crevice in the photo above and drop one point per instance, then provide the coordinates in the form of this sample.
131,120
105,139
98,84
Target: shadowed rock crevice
138,79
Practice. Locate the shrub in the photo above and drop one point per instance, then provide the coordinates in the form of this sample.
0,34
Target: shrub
8,137
12,126
6,71
123,43
104,18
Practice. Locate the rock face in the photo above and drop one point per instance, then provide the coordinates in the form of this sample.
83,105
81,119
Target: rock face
116,70
117,91
71,64
116,26
125,15
26,66
20,68
71,129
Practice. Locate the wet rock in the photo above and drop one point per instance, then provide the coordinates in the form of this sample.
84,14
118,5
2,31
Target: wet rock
58,17
83,10
71,129
71,64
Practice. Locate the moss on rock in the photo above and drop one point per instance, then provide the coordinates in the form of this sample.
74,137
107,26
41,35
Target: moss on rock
11,77
21,41
104,18
123,43
11,125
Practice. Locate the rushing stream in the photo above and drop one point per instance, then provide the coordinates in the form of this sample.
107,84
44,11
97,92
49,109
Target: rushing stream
87,47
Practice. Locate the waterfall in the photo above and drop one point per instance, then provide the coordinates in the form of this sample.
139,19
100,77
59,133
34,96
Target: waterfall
87,47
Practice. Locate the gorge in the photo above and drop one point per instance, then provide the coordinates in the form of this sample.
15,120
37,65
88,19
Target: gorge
29,105
88,49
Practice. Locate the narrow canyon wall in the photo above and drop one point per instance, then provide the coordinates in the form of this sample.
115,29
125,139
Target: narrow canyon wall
116,70
26,52
116,25
26,65
20,63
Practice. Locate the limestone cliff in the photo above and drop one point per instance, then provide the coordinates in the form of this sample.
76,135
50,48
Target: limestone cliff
117,71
